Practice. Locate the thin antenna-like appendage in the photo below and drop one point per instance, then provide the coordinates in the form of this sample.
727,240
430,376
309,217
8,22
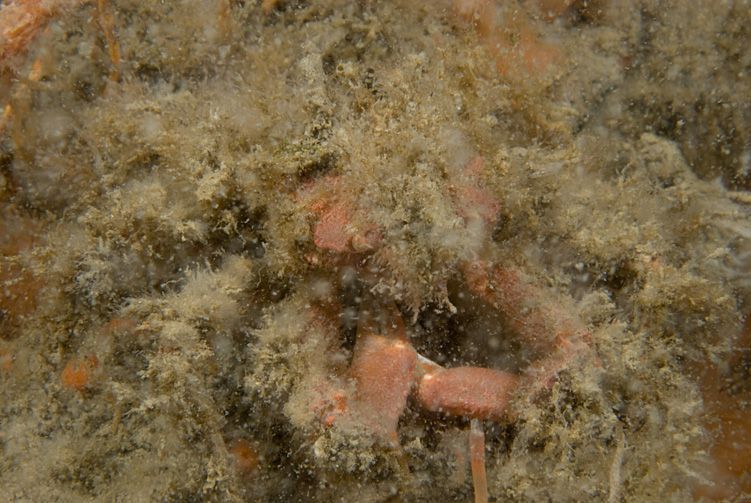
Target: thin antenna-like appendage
477,461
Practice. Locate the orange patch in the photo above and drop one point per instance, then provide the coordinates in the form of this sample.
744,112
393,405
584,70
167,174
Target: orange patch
119,326
20,21
78,373
19,288
6,361
245,457
330,232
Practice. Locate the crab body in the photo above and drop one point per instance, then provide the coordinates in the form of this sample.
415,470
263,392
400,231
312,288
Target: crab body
386,369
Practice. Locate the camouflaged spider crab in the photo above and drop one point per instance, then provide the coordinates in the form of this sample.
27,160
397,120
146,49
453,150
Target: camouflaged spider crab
385,367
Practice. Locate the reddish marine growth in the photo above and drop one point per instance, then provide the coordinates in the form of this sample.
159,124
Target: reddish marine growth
78,373
245,457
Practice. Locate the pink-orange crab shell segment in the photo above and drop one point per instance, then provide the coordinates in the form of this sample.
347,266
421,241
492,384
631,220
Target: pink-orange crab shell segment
532,311
470,198
383,369
340,226
473,392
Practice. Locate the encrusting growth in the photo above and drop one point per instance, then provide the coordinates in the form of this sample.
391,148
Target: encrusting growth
78,373
245,457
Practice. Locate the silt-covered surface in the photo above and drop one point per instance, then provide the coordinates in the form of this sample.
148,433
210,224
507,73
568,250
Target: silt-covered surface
159,232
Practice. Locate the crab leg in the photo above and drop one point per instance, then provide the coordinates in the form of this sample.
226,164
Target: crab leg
532,313
474,392
107,22
383,370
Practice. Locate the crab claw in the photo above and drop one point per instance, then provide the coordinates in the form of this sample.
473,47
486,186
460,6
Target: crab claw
383,370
